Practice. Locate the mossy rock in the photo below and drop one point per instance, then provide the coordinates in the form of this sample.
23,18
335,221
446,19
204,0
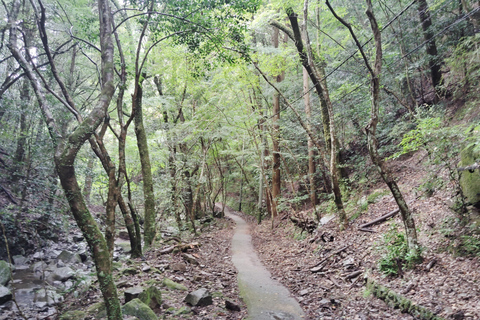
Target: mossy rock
130,271
182,310
4,273
73,315
138,309
97,310
174,285
152,297
470,181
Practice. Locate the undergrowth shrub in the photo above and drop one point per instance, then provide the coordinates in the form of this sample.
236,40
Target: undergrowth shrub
396,254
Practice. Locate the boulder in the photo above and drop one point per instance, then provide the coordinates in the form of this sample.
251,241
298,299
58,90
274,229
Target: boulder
469,181
132,293
5,294
50,296
173,285
68,257
73,315
4,273
19,260
62,274
200,297
152,297
138,309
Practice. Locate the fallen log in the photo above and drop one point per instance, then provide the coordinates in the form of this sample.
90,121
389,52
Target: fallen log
367,230
354,274
180,247
381,219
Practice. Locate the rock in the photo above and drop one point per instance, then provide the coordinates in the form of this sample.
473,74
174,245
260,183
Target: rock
73,315
182,267
97,310
78,237
459,315
62,274
304,292
469,180
50,296
83,255
68,257
152,297
38,255
200,297
146,268
231,306
19,260
5,294
173,285
189,258
138,309
132,293
182,310
39,267
4,273
130,271
123,234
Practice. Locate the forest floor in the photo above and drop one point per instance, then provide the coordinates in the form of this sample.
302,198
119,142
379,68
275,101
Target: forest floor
445,283
214,271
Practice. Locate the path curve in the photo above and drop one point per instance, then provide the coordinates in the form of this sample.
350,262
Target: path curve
266,298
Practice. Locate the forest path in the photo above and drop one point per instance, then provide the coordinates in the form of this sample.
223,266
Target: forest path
266,298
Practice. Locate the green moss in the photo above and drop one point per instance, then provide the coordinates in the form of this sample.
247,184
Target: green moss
138,309
152,297
470,181
73,315
174,285
394,300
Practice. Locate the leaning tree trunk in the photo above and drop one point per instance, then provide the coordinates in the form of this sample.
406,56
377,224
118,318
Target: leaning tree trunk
371,128
149,231
325,101
67,149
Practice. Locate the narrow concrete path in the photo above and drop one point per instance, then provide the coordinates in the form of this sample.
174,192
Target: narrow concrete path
266,298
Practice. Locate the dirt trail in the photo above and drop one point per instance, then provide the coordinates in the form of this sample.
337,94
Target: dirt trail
266,298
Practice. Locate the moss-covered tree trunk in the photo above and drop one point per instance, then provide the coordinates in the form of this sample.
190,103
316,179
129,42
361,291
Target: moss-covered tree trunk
149,198
66,149
434,62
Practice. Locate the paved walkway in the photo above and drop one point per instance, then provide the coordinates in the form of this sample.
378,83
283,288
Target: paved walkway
266,299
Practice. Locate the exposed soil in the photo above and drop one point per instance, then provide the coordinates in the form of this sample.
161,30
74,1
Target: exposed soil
451,288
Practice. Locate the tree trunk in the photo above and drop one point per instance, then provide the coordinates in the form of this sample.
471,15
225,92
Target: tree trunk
276,182
67,149
311,152
87,186
149,229
324,98
372,125
434,61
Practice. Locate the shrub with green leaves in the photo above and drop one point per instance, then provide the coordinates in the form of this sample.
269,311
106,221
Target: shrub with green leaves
396,254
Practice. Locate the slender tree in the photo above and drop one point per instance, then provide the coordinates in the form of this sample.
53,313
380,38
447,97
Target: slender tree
371,128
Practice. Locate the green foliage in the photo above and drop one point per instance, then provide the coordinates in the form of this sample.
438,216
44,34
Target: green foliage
396,254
